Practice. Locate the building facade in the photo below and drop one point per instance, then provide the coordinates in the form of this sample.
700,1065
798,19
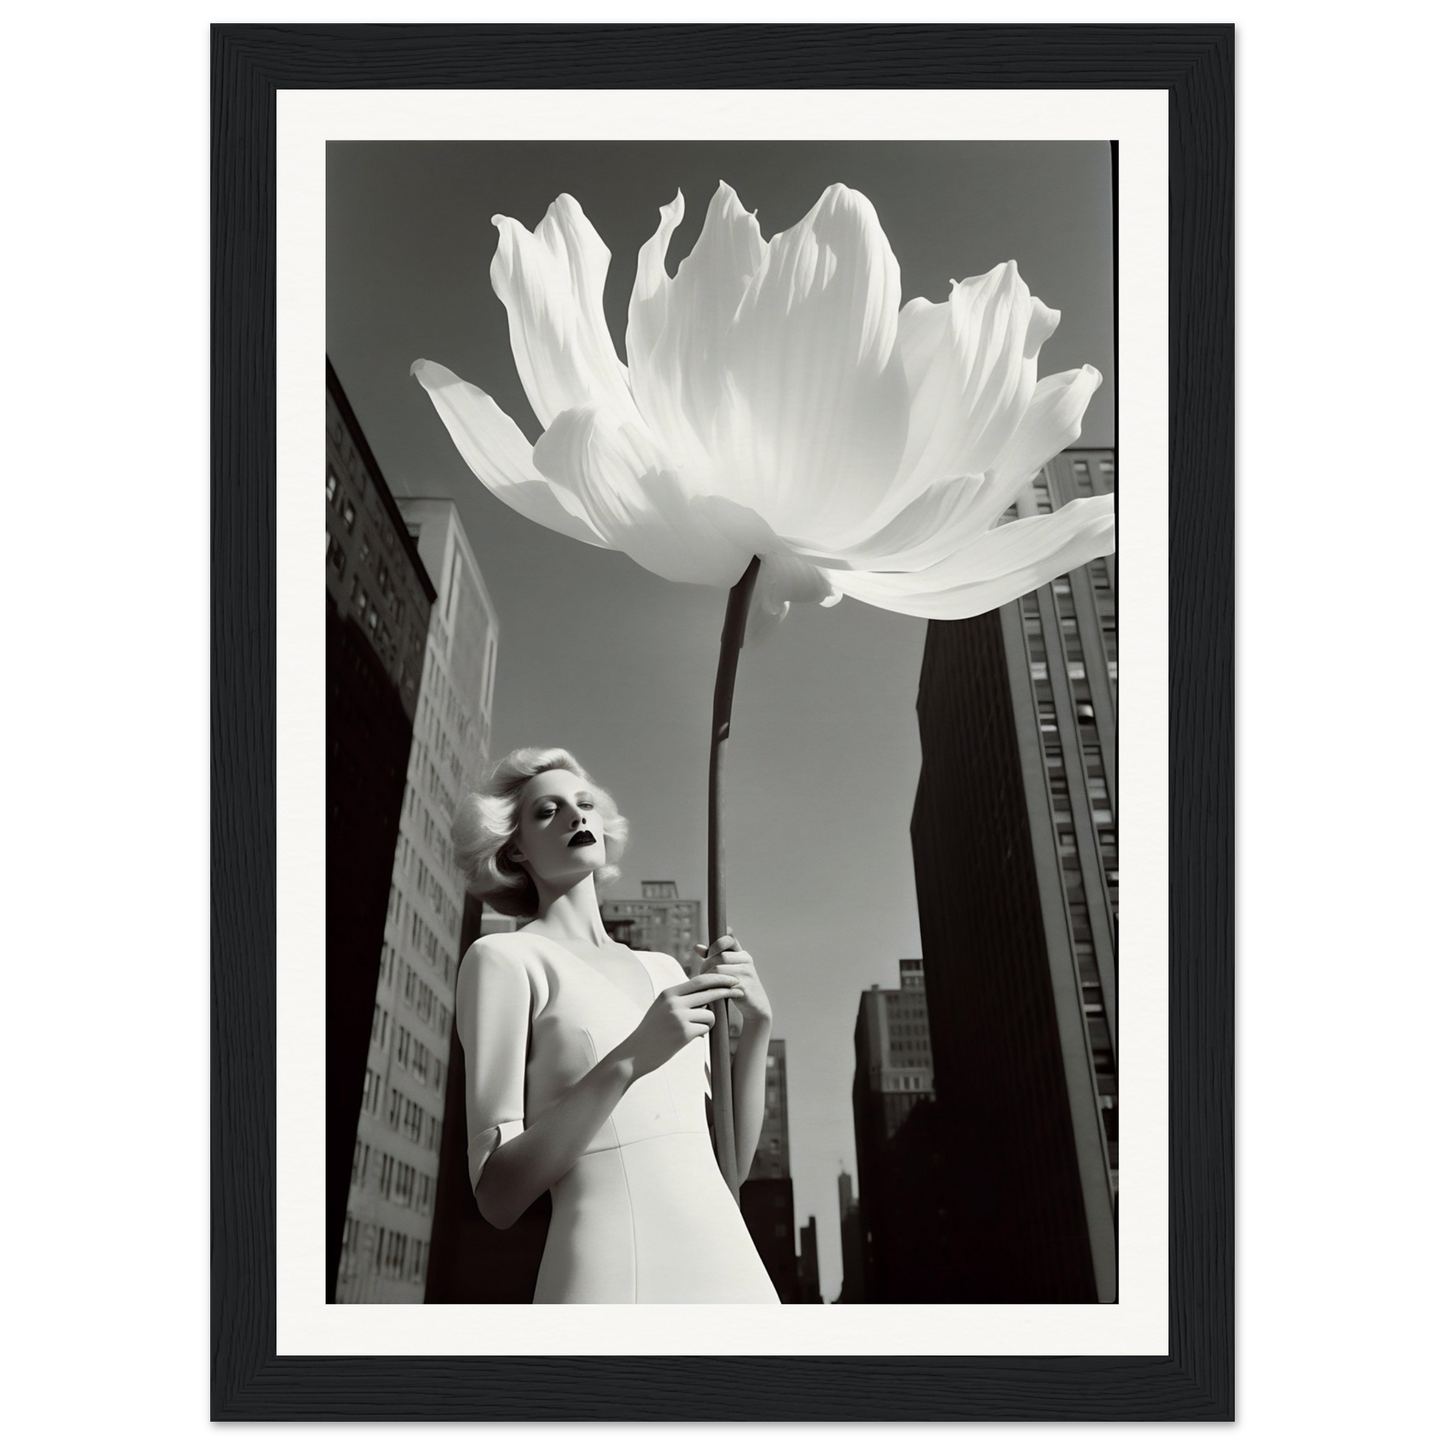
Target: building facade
898,1187
658,922
378,608
808,1287
766,1195
1016,860
398,1141
850,1228
772,1159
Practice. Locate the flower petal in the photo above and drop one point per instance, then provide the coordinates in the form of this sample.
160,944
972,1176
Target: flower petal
951,514
676,327
814,414
784,579
493,446
926,530
1001,565
1053,421
634,499
551,283
971,364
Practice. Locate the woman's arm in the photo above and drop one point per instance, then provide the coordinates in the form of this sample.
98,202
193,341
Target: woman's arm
519,1170
494,1013
750,1062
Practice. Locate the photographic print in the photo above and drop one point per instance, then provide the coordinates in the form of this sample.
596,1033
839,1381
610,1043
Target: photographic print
887,371
734,827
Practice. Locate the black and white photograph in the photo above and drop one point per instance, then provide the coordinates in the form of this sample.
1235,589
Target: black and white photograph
724,648
722,734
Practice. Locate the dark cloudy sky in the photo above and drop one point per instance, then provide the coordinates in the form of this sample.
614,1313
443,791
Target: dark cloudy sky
600,656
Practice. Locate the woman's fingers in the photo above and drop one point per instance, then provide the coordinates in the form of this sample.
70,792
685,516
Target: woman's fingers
722,943
703,980
739,971
710,995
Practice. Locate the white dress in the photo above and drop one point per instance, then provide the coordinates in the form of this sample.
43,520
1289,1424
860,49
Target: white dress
644,1216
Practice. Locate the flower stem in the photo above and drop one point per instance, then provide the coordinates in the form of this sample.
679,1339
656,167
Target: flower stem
734,625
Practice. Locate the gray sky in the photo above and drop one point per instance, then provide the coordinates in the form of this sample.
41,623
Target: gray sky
600,656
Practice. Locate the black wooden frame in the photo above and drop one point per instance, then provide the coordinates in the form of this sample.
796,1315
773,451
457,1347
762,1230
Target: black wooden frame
1194,1381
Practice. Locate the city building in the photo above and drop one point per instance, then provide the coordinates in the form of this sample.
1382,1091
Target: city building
1015,849
766,1195
398,1139
850,1227
378,608
658,922
772,1160
898,1188
808,1289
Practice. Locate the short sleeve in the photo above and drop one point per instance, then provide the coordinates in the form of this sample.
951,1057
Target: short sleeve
494,1011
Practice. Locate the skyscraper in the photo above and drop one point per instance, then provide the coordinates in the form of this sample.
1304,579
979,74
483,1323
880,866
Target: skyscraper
808,1291
850,1228
399,1135
898,1189
658,922
766,1195
378,605
772,1159
1016,862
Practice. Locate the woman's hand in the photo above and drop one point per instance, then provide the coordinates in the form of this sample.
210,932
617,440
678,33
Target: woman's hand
724,957
678,1015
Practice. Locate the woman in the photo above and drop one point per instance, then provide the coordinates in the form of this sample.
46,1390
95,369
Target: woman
587,1063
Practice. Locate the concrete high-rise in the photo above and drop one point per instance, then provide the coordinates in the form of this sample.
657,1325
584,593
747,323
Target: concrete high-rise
772,1159
808,1290
658,922
1015,849
850,1228
766,1195
898,1187
399,1136
378,608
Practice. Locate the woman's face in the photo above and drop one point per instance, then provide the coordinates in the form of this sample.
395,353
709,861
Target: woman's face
559,832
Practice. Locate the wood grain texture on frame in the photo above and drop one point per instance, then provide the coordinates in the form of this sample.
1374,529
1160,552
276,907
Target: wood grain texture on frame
249,1381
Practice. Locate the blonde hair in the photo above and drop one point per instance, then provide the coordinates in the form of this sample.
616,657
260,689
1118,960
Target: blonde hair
486,823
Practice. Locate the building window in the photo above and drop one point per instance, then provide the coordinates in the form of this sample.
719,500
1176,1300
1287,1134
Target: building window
348,513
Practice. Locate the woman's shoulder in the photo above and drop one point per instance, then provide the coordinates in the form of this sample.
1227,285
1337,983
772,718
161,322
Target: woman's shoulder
501,966
500,951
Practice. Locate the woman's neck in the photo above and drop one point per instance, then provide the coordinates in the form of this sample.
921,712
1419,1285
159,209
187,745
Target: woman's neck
570,913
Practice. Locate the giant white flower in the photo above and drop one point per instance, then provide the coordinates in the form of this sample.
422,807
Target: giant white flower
781,429
776,402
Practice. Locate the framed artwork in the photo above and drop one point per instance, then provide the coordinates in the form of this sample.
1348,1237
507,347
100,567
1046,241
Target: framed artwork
1060,1018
